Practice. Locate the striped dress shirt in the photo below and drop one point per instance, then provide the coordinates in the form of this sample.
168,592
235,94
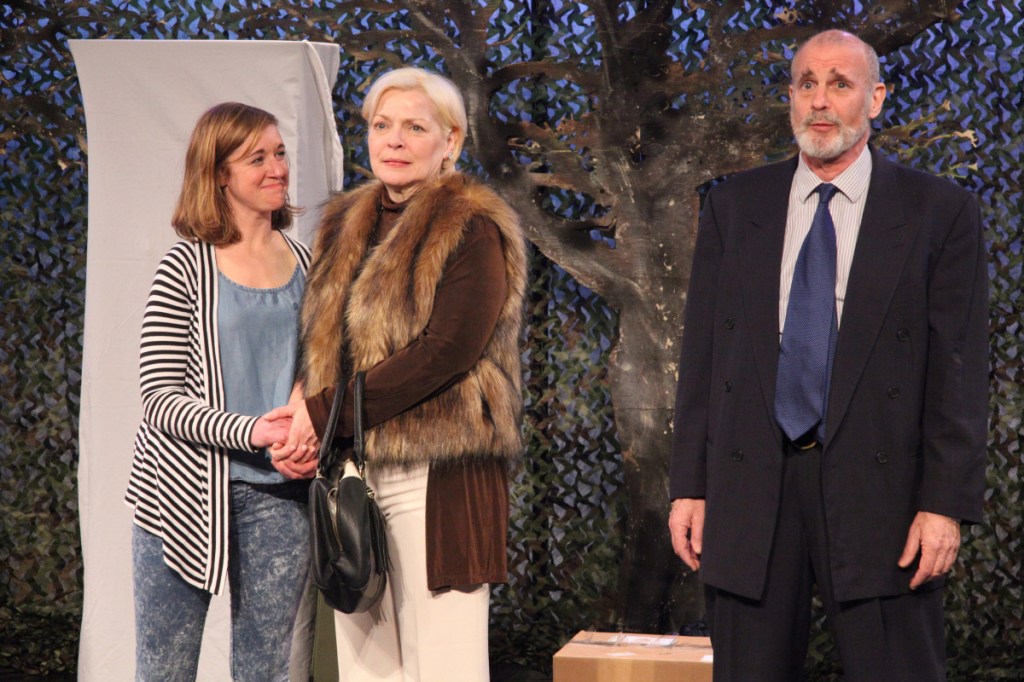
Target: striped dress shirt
846,207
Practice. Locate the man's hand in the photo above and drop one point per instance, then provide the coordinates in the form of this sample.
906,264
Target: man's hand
937,539
686,524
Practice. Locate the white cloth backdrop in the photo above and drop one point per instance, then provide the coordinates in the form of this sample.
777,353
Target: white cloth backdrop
142,99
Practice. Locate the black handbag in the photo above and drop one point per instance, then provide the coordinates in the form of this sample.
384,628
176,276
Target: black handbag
348,547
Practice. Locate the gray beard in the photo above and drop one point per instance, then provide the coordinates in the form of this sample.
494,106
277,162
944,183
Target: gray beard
831,148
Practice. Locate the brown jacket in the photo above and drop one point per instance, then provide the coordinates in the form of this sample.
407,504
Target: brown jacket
467,498
377,299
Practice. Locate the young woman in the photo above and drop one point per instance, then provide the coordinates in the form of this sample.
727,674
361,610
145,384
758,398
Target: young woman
218,350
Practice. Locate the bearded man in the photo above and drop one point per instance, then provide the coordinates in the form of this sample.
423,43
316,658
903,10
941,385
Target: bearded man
830,425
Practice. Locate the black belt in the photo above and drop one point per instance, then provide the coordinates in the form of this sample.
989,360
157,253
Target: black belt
805,442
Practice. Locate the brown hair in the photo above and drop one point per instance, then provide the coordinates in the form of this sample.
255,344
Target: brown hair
202,213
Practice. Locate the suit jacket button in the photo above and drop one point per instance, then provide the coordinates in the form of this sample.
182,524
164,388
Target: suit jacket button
902,335
882,456
737,455
730,323
728,386
893,392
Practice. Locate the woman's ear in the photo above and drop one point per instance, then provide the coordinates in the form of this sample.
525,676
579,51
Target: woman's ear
453,135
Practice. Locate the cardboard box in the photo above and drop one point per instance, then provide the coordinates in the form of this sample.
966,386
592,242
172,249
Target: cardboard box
624,657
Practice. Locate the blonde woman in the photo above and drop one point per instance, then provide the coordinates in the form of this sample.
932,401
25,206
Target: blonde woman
420,277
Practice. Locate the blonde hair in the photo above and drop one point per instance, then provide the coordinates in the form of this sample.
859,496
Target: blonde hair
442,92
202,212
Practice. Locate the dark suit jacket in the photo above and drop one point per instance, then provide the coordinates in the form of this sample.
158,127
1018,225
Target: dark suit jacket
907,414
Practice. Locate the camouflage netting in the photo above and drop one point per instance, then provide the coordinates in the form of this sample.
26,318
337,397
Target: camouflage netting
958,85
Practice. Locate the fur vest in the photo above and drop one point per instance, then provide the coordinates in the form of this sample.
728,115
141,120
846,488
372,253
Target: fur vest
377,301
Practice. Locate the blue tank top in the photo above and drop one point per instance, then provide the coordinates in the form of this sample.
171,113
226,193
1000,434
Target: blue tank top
258,331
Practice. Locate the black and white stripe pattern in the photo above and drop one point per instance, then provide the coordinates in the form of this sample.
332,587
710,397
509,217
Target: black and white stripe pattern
179,479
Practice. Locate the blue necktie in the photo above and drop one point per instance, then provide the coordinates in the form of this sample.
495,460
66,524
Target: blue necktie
809,336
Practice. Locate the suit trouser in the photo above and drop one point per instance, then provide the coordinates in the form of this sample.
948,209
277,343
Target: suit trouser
898,639
413,634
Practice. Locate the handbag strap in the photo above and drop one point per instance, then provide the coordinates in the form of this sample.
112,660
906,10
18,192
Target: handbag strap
359,445
326,454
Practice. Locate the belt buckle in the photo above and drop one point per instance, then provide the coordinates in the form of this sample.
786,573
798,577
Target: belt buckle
806,441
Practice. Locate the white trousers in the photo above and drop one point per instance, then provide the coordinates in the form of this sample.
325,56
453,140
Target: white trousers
413,634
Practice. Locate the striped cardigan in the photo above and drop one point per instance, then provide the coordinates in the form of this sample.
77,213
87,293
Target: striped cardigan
178,486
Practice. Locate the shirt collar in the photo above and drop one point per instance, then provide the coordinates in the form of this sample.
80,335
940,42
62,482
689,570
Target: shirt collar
852,182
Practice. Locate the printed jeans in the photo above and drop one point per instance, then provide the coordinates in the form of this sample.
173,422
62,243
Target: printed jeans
268,561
